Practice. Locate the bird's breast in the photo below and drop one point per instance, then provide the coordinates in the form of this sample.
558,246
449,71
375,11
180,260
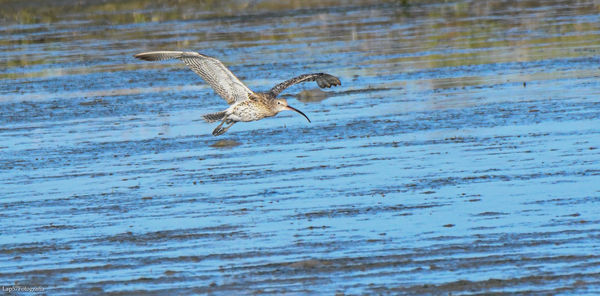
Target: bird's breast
249,112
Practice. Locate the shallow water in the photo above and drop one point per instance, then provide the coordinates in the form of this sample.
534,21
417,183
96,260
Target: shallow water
460,155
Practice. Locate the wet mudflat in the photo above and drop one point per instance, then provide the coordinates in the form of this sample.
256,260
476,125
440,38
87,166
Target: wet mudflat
460,155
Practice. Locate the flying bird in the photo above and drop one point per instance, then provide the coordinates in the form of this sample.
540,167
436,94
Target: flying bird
245,104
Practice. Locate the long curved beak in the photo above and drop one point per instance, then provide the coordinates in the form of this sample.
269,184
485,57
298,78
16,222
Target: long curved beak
294,109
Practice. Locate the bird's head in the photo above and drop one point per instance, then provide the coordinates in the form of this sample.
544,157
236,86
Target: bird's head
281,104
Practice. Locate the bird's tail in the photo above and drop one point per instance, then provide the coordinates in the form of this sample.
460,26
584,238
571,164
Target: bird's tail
217,116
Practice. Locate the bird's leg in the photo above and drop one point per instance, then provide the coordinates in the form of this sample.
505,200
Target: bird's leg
219,130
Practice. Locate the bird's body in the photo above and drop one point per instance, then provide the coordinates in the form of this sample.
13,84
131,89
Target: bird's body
257,106
245,105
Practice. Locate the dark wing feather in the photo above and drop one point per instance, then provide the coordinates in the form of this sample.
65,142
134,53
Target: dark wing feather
323,80
227,85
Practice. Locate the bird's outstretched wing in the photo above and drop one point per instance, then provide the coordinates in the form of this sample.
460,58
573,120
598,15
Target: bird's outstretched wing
323,80
227,85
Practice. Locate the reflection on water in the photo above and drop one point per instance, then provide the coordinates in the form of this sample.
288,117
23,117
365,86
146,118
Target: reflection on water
413,36
312,95
459,155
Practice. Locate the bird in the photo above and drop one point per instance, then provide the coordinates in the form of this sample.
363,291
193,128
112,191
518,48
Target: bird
244,104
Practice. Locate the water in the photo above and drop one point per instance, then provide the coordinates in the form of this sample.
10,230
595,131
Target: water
460,155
